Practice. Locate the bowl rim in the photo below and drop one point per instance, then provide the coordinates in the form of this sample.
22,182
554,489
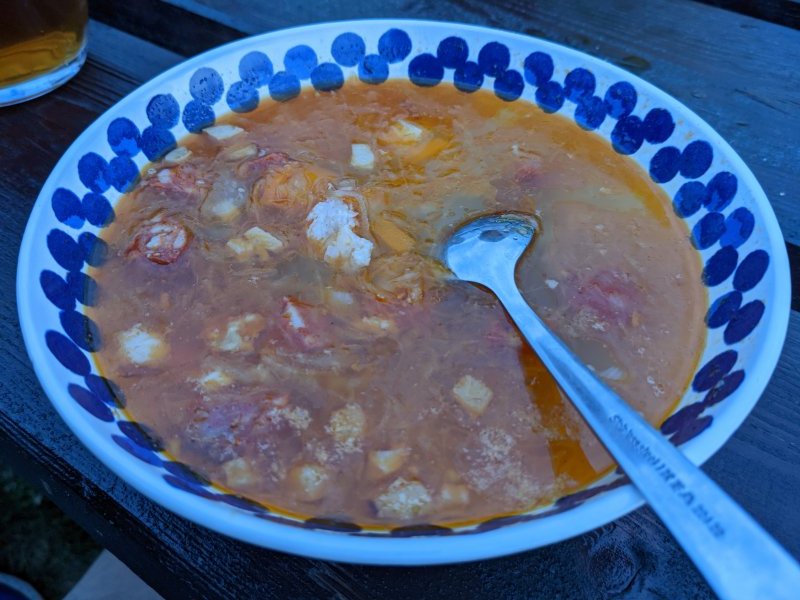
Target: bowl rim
384,550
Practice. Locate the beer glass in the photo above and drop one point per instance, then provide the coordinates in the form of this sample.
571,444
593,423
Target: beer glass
42,45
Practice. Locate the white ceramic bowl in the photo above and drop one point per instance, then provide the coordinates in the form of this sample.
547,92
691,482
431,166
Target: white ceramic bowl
746,267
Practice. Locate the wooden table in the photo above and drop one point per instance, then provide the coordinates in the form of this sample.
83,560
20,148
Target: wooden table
738,71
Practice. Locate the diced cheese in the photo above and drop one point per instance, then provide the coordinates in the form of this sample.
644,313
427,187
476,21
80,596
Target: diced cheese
213,380
239,334
472,394
292,313
384,462
340,297
238,472
378,325
178,155
453,494
347,426
142,347
240,246
328,217
310,481
226,200
297,417
403,132
223,132
403,500
362,157
239,152
225,209
263,238
331,224
407,131
349,249
255,241
164,176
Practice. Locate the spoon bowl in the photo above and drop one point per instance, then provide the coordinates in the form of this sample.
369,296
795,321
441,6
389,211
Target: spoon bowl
501,237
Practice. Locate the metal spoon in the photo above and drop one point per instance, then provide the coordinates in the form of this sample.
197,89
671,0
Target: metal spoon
735,555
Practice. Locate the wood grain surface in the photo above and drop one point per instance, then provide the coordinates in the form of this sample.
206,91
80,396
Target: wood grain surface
700,54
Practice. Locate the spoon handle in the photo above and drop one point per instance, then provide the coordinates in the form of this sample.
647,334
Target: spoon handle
735,555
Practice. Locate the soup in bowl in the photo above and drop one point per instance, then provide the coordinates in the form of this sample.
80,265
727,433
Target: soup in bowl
256,316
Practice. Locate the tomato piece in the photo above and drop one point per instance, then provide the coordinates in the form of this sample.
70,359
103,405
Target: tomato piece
262,164
607,297
181,180
526,173
219,429
304,327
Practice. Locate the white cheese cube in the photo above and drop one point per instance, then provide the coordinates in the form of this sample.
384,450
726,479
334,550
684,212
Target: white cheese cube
406,131
263,239
347,426
378,325
403,500
213,380
292,313
226,200
328,217
223,132
239,334
384,462
349,250
472,394
239,152
454,494
310,481
142,347
362,157
177,155
238,473
331,225
164,176
255,241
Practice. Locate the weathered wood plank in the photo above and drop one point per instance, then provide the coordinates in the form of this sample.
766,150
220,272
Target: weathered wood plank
168,26
111,47
780,12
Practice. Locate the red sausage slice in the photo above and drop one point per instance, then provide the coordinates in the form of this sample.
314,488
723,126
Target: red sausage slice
161,240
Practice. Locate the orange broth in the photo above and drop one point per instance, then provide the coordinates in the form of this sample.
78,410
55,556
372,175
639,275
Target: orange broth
274,309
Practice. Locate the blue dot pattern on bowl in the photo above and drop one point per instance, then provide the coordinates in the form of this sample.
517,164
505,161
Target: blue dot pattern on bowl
664,166
579,84
300,61
242,97
284,86
373,68
716,233
452,52
468,77
327,77
82,287
90,402
348,49
425,70
255,69
590,112
494,58
394,45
